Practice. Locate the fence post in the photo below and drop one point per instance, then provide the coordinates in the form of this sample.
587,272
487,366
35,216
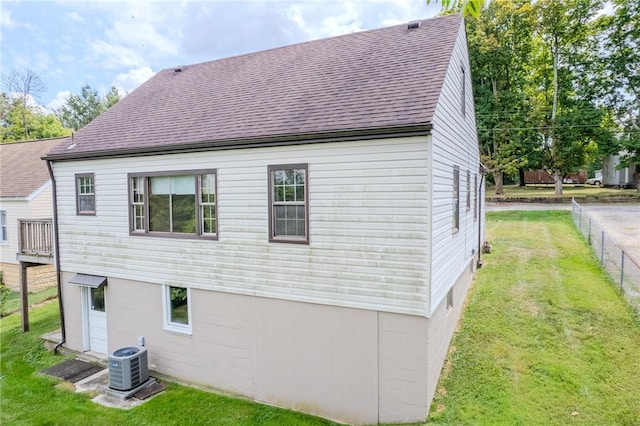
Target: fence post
589,237
602,249
622,272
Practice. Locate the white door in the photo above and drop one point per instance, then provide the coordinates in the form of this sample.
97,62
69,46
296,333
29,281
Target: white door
95,320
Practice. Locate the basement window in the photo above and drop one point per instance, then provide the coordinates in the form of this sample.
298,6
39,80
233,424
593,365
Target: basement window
177,309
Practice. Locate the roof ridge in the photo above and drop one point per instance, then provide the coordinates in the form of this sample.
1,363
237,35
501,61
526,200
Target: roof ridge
434,18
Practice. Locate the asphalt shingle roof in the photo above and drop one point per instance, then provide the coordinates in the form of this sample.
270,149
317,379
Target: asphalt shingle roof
22,170
383,78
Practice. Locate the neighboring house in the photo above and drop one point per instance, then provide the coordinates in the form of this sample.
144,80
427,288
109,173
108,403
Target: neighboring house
619,178
25,194
299,225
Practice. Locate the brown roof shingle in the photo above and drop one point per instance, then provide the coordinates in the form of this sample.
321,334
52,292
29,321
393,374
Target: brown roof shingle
384,78
22,170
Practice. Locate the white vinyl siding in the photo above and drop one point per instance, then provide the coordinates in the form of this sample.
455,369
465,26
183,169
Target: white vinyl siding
368,226
455,143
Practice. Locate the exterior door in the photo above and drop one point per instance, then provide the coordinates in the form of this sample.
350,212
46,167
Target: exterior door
96,320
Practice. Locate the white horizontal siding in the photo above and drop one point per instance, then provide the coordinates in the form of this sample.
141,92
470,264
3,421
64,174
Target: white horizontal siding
369,227
455,143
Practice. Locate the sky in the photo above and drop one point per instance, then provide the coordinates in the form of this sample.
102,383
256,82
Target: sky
124,43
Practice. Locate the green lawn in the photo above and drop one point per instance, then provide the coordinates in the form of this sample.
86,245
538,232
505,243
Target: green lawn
28,398
12,304
546,338
569,191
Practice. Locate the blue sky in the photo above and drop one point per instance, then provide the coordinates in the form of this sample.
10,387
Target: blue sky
123,43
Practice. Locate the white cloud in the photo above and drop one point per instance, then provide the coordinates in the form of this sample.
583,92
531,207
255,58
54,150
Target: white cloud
75,16
60,99
113,56
125,83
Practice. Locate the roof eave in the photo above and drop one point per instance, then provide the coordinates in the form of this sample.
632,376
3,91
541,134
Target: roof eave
258,142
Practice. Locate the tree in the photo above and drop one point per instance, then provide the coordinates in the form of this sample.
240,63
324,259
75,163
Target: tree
40,125
80,110
564,29
499,47
24,86
620,77
467,7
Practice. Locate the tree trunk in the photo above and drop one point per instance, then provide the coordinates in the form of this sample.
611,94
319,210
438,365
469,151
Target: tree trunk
497,177
557,179
521,176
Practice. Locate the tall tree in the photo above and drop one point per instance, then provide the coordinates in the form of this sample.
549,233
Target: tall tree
499,47
80,110
25,86
565,29
620,77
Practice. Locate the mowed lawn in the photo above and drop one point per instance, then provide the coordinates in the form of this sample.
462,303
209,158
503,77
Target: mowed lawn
546,338
30,398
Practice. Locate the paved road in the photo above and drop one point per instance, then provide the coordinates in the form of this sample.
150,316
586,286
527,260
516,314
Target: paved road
621,221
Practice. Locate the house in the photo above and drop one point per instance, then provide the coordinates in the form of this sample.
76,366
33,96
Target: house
298,225
619,178
26,209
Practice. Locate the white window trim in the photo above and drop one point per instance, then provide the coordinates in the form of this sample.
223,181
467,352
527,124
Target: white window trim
166,309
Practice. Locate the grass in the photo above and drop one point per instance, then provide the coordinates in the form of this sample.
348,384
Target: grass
569,191
12,304
28,398
546,338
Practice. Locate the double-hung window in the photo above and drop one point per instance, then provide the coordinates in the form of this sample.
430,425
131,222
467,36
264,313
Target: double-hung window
289,203
456,198
85,194
181,204
3,226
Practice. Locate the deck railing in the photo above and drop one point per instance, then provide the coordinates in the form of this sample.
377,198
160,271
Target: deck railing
35,237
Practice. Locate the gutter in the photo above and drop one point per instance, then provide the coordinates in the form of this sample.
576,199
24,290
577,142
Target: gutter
256,142
56,245
483,172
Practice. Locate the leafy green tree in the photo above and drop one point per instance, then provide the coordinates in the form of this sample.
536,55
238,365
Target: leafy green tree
619,78
13,115
499,47
564,32
80,110
467,7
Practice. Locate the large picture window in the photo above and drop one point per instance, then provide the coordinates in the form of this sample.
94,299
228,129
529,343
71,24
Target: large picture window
288,203
179,204
85,194
456,198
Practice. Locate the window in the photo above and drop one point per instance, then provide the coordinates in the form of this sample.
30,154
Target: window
288,204
475,196
177,308
97,299
3,226
85,194
456,199
181,204
463,106
468,190
450,298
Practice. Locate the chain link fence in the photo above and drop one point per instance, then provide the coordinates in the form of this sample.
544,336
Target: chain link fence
624,269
